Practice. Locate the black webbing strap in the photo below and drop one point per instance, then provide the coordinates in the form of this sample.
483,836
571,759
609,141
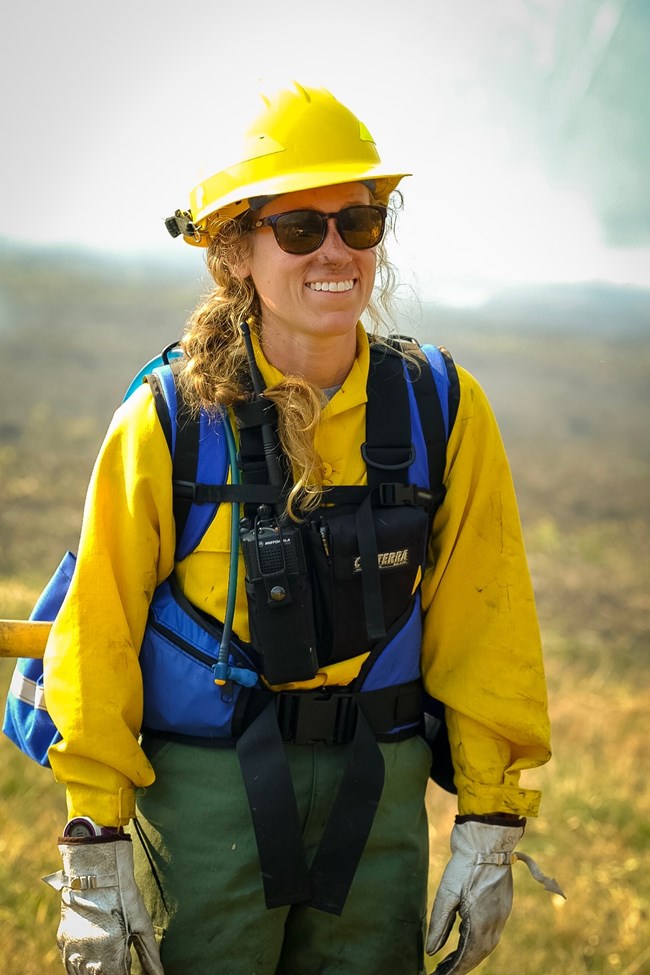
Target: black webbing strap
389,493
388,452
373,603
186,459
454,385
276,822
185,456
350,821
252,458
272,801
255,412
161,408
216,493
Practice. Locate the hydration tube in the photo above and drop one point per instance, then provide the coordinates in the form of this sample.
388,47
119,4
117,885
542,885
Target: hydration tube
223,671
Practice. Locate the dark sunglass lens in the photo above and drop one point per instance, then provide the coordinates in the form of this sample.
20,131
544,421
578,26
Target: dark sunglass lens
299,231
361,227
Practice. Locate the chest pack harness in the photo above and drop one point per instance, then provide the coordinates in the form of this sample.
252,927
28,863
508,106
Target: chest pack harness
364,547
348,580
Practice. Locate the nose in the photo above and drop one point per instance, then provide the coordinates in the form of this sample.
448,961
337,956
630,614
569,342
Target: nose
333,247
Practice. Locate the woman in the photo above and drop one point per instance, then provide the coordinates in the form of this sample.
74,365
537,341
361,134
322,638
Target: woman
237,875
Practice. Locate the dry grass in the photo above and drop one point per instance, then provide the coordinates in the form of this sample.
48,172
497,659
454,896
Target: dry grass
32,809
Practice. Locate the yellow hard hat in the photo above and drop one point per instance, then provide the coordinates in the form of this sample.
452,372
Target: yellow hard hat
303,138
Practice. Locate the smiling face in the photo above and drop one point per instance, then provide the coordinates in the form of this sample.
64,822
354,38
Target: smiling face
311,301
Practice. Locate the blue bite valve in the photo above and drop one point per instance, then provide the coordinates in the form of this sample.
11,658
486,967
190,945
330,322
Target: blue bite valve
239,675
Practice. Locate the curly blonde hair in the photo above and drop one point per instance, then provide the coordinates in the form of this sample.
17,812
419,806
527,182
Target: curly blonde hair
215,374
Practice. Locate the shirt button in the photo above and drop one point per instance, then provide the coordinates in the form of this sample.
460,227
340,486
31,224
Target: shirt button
327,471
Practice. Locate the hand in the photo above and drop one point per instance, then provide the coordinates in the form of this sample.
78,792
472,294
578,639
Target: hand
477,885
102,911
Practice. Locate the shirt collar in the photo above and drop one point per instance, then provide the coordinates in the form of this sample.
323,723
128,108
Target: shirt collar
353,389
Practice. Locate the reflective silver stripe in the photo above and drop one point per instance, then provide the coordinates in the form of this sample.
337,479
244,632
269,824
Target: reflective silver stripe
28,691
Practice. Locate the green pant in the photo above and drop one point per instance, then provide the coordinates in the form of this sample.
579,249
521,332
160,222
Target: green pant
199,836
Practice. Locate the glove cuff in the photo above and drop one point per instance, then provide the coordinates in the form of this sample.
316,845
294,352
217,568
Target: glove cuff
92,840
494,819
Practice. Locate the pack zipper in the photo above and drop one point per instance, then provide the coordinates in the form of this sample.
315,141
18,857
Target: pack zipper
178,641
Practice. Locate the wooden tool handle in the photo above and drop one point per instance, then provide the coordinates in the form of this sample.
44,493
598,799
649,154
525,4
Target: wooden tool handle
23,638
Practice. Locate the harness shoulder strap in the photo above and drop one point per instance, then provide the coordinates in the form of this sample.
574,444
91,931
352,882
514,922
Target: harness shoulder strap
436,392
198,447
432,391
163,387
388,451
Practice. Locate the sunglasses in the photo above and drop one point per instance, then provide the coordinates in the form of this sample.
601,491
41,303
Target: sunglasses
303,231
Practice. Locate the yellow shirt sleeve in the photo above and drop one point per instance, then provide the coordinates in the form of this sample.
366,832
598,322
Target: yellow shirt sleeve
481,653
92,677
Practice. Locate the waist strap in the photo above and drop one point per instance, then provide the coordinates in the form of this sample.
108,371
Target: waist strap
327,715
330,716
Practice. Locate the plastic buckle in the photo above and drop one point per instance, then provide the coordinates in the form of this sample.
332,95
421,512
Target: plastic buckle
185,489
198,493
306,718
393,494
316,720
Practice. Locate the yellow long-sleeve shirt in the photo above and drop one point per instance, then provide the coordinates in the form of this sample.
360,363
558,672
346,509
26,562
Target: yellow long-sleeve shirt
481,650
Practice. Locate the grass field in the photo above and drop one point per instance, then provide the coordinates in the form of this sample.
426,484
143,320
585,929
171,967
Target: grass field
569,381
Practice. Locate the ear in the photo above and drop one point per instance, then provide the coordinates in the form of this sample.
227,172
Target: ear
241,269
239,258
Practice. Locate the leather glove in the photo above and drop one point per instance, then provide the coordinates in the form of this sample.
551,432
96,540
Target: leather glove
102,911
477,885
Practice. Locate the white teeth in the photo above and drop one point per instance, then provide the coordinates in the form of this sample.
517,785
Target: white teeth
331,285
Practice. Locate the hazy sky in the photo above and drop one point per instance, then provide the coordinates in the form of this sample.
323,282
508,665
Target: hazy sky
109,111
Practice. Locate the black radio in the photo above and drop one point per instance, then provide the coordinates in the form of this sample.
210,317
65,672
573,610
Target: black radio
272,554
280,609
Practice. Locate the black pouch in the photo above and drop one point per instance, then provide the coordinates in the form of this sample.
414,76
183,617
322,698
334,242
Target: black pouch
339,608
